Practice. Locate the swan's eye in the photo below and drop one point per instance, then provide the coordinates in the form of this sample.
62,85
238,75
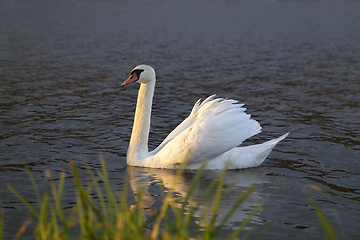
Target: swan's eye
137,72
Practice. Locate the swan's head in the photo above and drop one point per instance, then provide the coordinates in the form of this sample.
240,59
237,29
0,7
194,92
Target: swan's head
141,74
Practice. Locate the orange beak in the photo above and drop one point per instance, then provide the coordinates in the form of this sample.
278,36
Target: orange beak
133,78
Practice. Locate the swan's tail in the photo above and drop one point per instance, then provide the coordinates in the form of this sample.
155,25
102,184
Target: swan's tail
241,157
272,143
244,157
254,155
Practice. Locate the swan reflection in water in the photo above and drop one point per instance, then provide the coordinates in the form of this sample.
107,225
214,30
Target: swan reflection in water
146,178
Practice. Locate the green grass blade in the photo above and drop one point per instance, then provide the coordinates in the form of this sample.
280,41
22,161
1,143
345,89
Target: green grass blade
193,184
123,212
207,191
109,193
87,208
2,222
33,182
216,202
82,205
242,198
95,183
151,219
54,225
168,198
26,203
327,229
57,194
247,220
106,218
43,224
22,229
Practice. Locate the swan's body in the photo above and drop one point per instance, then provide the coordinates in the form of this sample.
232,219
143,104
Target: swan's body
211,133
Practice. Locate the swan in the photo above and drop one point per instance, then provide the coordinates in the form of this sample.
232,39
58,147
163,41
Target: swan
212,133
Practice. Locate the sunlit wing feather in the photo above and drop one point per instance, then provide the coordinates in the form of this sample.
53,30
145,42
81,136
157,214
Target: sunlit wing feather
180,128
213,127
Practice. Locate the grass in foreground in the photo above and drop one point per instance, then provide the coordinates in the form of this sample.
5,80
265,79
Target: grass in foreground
328,230
108,214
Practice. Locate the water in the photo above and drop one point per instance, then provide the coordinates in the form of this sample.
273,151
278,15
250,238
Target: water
296,65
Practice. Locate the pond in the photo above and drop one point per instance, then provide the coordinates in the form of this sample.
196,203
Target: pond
295,64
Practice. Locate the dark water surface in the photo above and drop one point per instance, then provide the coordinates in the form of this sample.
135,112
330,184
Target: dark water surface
296,65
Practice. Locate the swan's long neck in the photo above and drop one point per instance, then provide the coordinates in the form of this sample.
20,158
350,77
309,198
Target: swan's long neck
138,147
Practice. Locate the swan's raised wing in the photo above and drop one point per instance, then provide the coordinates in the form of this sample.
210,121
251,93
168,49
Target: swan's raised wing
215,126
180,128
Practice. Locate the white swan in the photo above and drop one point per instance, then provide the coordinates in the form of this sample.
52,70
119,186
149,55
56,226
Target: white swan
212,133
